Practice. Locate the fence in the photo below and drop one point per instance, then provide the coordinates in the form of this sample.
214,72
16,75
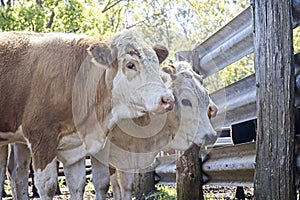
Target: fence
235,164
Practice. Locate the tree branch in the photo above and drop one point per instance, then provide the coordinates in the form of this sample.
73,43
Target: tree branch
8,3
2,3
39,2
109,5
143,21
51,19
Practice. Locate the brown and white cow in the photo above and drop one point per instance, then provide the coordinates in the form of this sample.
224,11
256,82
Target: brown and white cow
187,123
52,85
141,151
134,144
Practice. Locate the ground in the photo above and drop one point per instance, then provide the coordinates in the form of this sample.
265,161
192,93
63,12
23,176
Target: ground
210,193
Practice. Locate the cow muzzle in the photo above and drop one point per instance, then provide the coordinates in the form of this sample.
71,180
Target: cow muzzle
207,138
154,99
167,103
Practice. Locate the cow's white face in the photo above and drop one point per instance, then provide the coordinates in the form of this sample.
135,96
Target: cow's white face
140,140
118,81
194,107
137,86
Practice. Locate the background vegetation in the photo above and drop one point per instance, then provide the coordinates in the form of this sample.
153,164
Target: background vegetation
178,24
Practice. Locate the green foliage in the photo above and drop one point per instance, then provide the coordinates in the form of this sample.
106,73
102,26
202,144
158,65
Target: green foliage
61,182
78,16
162,193
211,197
70,16
28,16
296,35
7,19
89,185
230,74
6,188
177,24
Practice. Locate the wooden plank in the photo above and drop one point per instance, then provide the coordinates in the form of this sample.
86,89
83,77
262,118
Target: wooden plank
143,184
274,177
189,175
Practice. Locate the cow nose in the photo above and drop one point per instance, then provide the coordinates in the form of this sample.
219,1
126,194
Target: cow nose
167,102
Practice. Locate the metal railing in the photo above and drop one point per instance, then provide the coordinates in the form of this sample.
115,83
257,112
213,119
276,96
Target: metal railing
231,165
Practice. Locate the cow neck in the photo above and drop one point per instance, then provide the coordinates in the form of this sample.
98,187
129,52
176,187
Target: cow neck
104,97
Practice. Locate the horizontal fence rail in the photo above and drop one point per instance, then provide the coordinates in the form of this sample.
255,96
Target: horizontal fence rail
234,164
229,44
230,165
236,103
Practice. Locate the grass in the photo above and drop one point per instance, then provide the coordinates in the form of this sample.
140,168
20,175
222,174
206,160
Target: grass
169,193
163,193
210,197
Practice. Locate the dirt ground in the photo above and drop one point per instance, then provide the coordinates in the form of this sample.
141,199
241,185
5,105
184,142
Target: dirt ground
210,193
226,193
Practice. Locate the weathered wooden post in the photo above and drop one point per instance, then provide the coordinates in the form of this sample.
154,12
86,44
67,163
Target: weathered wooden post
273,51
188,175
189,165
143,184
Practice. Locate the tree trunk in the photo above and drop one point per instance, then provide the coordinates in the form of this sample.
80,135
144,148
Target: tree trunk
51,19
2,3
274,175
188,175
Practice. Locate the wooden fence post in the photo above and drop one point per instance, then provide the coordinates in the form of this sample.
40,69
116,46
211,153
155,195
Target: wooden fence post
143,184
273,51
188,175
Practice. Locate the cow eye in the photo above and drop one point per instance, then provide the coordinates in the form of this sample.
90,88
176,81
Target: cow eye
186,102
131,66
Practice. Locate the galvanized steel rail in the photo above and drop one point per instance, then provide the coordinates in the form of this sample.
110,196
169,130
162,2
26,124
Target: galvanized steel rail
236,103
230,165
229,44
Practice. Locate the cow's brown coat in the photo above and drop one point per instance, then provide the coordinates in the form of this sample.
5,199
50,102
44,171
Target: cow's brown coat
37,76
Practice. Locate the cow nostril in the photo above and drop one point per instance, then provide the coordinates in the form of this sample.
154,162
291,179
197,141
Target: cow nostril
167,103
165,100
212,111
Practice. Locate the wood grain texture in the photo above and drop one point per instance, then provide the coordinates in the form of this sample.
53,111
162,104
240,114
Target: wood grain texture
274,177
188,175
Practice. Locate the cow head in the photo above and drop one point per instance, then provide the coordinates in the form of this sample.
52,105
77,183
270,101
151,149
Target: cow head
136,86
193,105
140,139
119,79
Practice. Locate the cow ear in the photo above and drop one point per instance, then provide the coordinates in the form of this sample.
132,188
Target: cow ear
161,51
170,69
101,53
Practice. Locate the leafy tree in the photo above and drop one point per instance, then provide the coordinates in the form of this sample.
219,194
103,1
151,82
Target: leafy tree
296,35
178,24
79,16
